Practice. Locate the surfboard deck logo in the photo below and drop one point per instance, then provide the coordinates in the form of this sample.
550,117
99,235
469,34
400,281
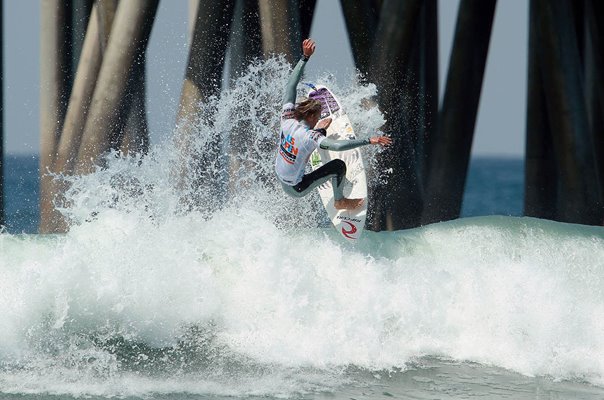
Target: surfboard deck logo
349,234
349,223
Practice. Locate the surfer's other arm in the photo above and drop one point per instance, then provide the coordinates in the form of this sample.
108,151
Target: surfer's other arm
343,145
308,48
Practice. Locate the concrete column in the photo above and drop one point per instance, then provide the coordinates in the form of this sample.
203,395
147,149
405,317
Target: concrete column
55,77
428,99
129,36
361,18
203,79
541,174
307,11
580,198
398,204
594,81
246,39
206,57
281,29
81,95
450,152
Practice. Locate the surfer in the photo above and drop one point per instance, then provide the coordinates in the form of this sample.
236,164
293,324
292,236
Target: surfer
302,133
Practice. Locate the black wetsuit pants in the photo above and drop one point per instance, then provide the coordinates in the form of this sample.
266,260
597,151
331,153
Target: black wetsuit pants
334,170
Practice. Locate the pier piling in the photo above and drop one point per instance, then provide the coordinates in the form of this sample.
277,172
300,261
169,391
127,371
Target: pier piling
394,44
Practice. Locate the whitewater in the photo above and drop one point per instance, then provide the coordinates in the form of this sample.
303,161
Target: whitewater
181,280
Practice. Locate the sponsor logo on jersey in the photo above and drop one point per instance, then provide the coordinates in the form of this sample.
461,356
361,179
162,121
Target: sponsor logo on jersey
288,149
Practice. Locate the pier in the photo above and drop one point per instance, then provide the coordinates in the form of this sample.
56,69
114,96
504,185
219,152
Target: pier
93,90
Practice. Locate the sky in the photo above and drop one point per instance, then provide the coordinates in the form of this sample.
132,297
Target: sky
500,127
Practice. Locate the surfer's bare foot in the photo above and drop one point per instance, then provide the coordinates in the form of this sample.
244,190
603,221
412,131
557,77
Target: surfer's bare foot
348,204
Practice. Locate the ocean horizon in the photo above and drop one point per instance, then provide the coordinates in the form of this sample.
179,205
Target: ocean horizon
494,186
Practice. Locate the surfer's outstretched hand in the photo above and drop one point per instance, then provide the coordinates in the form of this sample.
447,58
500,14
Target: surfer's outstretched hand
308,47
323,124
383,141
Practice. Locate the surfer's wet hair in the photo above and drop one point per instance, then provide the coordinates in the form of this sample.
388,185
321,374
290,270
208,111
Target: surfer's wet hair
307,108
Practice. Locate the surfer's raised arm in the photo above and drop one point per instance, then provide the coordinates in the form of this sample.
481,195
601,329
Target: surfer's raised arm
308,48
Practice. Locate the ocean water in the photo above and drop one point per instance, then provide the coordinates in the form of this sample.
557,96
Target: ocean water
177,282
494,187
21,193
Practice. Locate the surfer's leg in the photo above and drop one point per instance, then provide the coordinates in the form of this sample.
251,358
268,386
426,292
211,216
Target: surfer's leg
335,170
291,191
337,178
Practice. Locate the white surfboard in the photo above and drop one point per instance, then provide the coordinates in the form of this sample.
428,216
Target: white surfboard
349,223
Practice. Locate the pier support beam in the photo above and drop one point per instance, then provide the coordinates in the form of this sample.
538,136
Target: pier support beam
398,203
203,79
281,28
55,78
246,40
135,137
81,95
450,153
206,57
541,174
594,82
307,11
428,96
361,18
108,110
579,195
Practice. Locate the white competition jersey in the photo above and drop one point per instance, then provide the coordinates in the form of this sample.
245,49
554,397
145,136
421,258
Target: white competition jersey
296,144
